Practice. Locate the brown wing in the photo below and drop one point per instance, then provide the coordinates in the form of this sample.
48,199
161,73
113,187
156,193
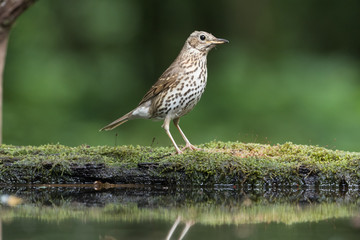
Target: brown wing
165,81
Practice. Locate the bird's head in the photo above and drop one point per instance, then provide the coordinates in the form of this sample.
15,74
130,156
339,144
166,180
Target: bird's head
203,41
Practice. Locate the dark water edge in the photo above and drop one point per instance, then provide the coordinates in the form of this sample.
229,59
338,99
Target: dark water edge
157,196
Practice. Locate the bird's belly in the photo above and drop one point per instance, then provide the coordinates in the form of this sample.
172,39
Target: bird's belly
180,101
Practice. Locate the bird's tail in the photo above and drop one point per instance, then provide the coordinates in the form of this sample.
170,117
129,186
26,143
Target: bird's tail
117,122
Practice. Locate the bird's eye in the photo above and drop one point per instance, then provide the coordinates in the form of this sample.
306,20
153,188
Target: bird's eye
202,37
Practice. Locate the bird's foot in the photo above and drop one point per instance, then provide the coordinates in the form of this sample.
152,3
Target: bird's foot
192,147
178,151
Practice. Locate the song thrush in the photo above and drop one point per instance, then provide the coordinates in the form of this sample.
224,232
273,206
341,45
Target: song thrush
178,89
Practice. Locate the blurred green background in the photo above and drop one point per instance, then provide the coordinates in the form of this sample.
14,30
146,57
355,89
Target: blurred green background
290,73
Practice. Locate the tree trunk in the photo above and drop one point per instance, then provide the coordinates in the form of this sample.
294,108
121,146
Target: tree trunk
9,11
3,46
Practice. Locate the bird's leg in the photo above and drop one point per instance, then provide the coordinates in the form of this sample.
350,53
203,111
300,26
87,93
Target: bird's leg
167,130
188,144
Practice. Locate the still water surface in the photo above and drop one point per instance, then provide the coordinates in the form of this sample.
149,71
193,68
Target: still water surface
128,212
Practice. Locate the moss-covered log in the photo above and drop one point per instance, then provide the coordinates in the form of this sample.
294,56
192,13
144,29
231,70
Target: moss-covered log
235,163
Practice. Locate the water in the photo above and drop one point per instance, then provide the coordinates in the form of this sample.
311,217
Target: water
113,212
72,229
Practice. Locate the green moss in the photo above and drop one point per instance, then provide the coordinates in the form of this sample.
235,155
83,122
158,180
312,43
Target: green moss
219,162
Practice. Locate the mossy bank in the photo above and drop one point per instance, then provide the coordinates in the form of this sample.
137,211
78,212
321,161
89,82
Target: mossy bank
239,164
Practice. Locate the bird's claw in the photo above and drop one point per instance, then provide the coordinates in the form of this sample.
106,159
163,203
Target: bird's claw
190,146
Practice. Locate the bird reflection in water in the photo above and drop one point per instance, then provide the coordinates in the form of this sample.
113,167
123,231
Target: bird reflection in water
188,224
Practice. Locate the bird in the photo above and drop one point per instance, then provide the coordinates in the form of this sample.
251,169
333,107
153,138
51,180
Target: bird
178,89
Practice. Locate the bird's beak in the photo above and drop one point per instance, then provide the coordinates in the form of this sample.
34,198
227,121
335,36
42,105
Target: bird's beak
219,41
